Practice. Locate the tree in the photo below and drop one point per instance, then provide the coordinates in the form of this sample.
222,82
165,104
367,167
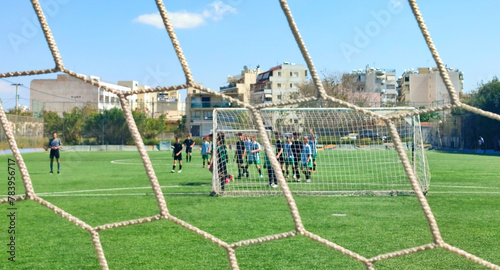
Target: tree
429,117
342,86
52,123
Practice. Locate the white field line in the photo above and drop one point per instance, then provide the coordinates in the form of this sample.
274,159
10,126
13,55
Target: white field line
124,194
110,189
463,192
464,187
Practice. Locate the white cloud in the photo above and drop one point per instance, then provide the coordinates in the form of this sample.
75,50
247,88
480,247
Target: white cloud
184,19
219,9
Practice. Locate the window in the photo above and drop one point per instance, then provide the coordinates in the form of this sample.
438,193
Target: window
196,115
290,85
279,97
295,74
279,85
279,73
208,115
407,79
290,74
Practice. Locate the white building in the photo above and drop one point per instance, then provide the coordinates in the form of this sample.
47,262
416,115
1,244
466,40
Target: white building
66,92
278,83
382,81
425,87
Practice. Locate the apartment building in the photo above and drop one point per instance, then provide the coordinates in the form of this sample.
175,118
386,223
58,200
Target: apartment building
278,83
66,92
238,86
425,87
378,80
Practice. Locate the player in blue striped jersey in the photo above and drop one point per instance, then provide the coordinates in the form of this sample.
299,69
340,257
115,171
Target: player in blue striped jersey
288,155
254,155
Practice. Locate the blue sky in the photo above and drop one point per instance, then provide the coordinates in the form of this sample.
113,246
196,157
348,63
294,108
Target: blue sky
121,40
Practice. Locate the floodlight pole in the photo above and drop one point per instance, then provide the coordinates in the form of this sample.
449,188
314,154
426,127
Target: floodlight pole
17,96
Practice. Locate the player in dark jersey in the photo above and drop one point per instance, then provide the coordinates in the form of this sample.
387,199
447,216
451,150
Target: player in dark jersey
222,159
279,152
297,150
240,156
55,144
189,147
177,154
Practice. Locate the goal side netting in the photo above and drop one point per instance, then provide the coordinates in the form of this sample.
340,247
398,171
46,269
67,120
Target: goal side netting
350,153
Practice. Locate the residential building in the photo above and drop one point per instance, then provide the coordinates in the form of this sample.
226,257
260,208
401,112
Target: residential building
238,86
66,92
278,83
156,104
199,111
425,86
381,81
170,105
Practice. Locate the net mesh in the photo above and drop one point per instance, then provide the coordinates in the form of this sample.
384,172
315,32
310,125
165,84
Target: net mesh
351,153
390,122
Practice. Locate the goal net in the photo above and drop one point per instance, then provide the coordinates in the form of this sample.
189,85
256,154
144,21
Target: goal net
351,153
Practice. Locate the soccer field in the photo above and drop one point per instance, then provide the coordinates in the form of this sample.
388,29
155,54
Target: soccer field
107,187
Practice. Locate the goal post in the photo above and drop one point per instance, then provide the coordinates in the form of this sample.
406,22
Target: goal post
351,154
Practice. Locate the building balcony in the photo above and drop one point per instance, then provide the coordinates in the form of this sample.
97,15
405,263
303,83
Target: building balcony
226,88
213,104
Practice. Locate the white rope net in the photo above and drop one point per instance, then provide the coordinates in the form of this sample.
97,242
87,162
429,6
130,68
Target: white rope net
256,112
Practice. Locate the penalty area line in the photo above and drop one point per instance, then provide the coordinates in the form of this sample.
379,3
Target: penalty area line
112,189
124,194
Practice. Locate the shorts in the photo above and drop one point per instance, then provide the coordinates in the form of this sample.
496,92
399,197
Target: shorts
306,165
239,159
178,157
281,159
289,161
314,156
256,162
189,150
54,153
204,156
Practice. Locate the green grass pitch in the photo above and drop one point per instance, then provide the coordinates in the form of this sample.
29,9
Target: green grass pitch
464,196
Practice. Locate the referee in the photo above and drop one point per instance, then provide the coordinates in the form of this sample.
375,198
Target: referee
55,144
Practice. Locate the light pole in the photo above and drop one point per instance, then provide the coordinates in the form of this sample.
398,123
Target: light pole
17,96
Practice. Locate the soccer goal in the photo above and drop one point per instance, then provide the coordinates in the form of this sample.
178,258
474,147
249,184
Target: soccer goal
350,153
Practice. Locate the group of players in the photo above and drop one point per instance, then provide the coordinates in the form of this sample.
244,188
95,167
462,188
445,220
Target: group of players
294,156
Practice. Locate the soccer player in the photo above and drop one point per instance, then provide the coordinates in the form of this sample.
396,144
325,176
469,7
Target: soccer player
240,155
273,181
177,154
222,158
55,144
306,159
279,151
248,148
288,155
296,150
205,146
254,156
211,152
189,147
313,142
